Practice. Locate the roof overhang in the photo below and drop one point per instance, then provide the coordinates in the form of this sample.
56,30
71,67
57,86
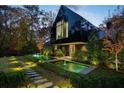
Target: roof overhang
72,43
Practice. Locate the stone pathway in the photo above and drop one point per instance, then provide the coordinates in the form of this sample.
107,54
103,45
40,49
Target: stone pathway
36,79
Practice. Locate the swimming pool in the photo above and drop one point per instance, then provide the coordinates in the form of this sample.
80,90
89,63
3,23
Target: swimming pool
71,66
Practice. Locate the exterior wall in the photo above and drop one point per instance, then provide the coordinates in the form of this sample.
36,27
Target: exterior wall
70,49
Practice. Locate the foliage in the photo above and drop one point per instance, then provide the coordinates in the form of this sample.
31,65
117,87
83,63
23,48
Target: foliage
113,26
94,47
59,53
20,28
13,80
40,44
31,58
99,78
98,82
47,51
20,40
108,57
121,56
80,56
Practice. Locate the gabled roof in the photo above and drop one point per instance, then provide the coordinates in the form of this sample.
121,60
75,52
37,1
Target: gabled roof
79,28
66,8
101,33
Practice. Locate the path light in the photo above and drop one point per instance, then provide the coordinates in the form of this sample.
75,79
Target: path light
35,55
14,62
16,69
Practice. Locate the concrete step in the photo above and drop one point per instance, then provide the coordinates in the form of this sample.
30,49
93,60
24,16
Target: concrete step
41,81
45,85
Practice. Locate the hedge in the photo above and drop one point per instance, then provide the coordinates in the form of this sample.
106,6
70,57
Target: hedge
98,82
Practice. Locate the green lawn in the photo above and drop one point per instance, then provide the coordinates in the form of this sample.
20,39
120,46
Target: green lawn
10,64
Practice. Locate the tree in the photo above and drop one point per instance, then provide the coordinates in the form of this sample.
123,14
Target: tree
20,28
40,44
94,47
113,42
20,40
113,48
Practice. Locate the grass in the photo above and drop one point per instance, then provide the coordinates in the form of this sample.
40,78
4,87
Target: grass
11,73
10,64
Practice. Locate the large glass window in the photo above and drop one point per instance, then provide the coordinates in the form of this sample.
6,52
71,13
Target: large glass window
61,29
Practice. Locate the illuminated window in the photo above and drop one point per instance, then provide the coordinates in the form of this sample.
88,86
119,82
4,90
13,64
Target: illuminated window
61,29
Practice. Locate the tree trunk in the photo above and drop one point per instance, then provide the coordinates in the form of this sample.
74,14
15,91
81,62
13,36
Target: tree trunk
116,61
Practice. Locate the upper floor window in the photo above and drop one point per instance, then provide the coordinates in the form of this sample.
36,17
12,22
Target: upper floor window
61,29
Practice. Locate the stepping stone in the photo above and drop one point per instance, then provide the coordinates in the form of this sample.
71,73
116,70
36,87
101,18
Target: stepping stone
33,75
36,78
29,73
40,81
45,85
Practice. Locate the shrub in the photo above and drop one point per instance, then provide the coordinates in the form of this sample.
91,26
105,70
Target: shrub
109,60
13,80
94,46
110,65
31,58
59,53
95,62
47,51
80,56
97,81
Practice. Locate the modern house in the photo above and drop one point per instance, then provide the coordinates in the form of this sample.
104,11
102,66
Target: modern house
70,31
